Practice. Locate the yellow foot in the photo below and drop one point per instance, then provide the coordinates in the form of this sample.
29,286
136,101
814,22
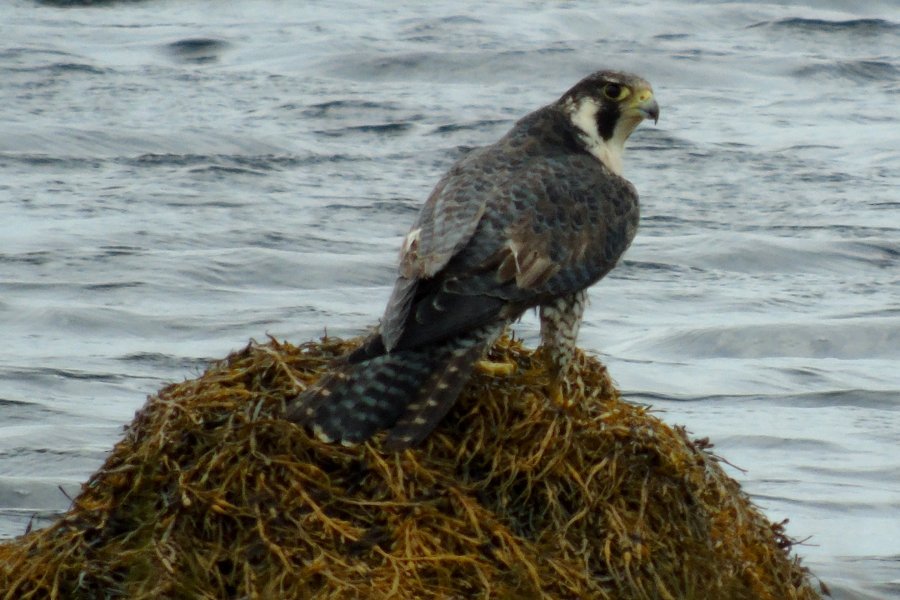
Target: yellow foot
495,369
558,395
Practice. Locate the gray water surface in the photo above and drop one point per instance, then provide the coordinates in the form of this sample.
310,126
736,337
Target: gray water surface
178,177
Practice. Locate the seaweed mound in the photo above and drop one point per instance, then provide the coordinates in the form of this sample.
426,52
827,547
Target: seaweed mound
210,494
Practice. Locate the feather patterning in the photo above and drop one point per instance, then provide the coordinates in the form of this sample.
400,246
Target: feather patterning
530,221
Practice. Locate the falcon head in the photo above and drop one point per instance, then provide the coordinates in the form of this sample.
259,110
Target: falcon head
605,108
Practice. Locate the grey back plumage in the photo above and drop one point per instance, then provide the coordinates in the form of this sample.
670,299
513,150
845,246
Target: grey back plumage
521,223
511,225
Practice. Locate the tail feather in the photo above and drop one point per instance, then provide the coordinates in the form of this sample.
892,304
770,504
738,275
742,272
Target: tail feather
439,391
357,399
407,391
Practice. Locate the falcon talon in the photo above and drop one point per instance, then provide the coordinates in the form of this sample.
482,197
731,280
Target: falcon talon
496,369
530,221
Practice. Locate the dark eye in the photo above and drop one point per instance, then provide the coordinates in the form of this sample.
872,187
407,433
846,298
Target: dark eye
614,91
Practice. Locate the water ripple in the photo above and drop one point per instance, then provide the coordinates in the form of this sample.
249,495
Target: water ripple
861,71
860,27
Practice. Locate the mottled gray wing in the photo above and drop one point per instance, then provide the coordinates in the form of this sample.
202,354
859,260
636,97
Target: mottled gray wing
577,221
553,228
444,226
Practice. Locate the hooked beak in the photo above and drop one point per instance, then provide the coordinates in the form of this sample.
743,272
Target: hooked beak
644,104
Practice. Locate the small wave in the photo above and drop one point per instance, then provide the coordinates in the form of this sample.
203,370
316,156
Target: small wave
851,26
875,474
194,45
846,339
854,70
45,160
329,108
378,129
35,259
167,362
474,125
118,285
196,50
77,139
656,266
18,52
74,67
558,48
59,69
467,66
877,399
820,503
20,409
239,163
224,171
673,222
84,3
754,253
882,255
119,250
42,373
671,36
431,30
800,147
659,139
794,444
392,207
236,163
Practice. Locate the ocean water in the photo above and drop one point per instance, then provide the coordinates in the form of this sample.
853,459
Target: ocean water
177,177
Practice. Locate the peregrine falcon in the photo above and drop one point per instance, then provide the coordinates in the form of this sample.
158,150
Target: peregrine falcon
529,221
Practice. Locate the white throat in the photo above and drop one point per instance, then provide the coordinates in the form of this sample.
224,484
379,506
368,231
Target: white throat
609,152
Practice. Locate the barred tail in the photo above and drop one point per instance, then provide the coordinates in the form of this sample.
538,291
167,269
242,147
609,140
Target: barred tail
407,391
439,391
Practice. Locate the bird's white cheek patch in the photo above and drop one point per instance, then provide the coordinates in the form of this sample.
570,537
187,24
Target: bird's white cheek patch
584,117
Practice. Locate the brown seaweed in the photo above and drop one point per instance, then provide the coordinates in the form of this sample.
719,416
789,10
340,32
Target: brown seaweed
210,494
